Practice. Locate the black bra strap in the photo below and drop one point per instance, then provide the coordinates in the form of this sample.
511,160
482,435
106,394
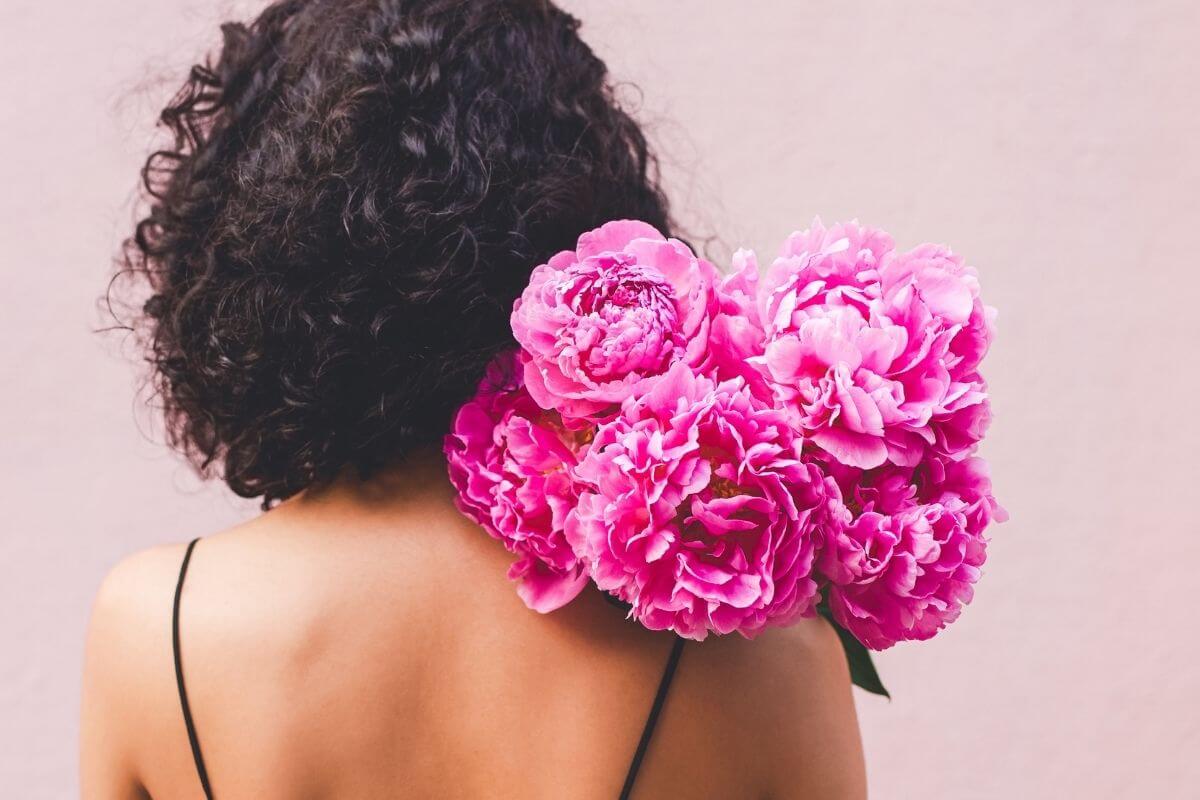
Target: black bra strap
660,697
183,700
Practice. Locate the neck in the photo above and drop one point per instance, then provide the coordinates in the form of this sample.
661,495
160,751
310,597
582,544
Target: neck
417,480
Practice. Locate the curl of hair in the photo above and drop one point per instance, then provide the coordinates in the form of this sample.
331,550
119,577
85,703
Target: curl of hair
355,194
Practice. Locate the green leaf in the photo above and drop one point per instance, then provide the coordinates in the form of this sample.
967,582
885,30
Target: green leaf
862,668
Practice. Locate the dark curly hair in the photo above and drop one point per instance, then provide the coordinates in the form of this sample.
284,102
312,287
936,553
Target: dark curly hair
355,194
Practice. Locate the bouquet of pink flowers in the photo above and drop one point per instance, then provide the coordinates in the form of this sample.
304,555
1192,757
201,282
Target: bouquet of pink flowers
727,452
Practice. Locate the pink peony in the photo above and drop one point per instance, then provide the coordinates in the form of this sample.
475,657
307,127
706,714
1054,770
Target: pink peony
930,290
907,564
509,459
737,331
825,350
834,266
875,351
935,297
598,322
697,510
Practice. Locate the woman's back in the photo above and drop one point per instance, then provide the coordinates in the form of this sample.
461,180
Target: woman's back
364,642
353,196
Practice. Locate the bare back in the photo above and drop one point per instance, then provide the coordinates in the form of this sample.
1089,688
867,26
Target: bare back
365,642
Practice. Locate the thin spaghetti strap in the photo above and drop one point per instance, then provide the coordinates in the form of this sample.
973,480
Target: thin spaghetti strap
183,699
660,697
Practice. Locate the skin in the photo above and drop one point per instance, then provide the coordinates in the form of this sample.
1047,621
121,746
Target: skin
362,641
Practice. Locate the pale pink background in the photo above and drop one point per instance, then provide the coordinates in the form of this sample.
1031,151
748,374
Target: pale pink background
1055,144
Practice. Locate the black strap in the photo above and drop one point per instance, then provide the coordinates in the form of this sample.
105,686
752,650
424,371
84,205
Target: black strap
183,700
660,697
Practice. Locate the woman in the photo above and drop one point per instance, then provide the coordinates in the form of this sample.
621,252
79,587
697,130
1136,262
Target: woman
356,194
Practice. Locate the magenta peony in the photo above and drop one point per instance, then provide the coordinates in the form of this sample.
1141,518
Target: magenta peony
907,563
598,322
835,266
737,331
935,297
509,459
875,351
697,510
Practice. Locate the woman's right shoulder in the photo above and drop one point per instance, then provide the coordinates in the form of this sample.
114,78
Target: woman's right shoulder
781,708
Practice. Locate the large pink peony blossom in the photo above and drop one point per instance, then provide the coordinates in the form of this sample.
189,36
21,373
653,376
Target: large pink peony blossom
907,563
698,511
598,322
875,351
509,459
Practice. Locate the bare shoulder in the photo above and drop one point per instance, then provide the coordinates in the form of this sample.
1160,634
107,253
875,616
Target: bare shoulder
129,632
803,693
781,706
127,678
130,615
133,737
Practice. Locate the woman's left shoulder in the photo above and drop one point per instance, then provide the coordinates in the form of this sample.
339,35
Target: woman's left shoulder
129,626
128,670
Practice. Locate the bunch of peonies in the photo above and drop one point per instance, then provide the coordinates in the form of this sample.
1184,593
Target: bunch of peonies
722,453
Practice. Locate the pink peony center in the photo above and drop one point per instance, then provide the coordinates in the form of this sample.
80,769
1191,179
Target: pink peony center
721,527
626,316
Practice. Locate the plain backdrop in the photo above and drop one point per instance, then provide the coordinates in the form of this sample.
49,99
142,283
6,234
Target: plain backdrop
1054,144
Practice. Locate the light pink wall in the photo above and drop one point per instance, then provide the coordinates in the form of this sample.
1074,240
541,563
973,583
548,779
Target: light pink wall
1052,143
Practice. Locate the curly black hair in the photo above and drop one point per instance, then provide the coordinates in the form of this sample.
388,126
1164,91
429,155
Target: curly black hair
355,194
